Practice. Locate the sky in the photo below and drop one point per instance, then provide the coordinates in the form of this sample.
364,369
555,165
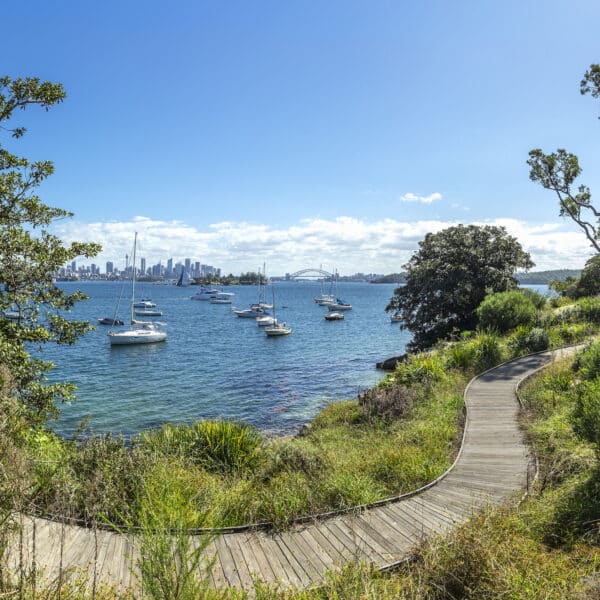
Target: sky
305,133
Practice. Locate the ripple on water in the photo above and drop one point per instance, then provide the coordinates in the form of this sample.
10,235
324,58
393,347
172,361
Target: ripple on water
217,365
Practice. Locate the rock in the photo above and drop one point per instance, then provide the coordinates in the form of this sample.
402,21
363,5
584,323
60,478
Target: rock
390,363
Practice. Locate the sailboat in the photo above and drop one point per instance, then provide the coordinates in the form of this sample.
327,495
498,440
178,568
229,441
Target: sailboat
276,329
141,332
184,278
257,309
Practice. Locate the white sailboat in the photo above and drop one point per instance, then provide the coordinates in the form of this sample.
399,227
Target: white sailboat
141,332
276,329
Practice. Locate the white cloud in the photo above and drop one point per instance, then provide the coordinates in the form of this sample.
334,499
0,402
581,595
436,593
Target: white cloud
346,243
410,197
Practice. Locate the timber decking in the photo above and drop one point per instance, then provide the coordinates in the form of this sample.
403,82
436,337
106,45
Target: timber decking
492,466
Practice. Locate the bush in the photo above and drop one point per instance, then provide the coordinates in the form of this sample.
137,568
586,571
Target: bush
539,300
388,403
506,310
590,309
461,355
218,446
587,362
525,340
488,352
586,417
425,368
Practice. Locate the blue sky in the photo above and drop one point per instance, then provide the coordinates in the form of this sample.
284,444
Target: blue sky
303,132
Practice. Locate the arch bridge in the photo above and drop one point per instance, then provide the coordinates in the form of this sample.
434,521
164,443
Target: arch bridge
311,273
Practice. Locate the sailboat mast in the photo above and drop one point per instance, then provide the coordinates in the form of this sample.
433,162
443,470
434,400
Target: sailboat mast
133,276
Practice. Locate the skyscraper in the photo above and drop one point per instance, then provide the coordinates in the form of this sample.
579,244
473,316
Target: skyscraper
109,267
170,265
143,266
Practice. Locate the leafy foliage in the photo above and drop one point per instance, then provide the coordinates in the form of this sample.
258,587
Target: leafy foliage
449,276
29,255
525,340
506,310
218,446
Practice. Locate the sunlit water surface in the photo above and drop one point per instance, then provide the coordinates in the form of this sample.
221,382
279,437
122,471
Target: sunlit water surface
215,364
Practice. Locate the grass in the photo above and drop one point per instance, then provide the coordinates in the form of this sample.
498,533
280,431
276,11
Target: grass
395,438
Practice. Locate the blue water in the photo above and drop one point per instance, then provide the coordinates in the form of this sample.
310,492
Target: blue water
215,364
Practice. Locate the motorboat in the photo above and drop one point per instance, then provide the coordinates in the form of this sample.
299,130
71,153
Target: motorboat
339,305
222,298
266,321
148,312
110,321
144,303
396,317
13,315
334,316
251,313
141,332
277,330
205,294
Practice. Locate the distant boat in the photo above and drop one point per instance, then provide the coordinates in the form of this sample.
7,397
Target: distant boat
141,332
205,294
277,329
13,315
110,321
144,303
254,311
266,321
339,305
184,278
148,312
334,316
222,298
396,317
324,299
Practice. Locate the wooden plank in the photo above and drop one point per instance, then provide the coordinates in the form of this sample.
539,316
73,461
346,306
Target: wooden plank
282,568
227,563
241,566
295,558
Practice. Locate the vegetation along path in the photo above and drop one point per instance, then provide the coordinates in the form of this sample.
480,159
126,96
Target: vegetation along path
493,464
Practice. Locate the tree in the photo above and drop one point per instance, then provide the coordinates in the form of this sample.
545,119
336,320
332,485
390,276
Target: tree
450,275
29,255
589,282
557,172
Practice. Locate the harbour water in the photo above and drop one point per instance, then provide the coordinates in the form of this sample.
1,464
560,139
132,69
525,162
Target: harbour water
215,364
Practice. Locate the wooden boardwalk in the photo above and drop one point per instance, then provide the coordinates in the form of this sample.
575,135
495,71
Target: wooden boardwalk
493,465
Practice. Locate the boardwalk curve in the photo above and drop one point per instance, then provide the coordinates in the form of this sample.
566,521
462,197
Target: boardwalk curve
493,464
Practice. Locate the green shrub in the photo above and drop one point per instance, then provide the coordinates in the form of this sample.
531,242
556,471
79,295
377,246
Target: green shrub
590,309
525,340
504,311
488,352
587,362
424,368
586,416
221,446
539,300
289,456
572,333
461,355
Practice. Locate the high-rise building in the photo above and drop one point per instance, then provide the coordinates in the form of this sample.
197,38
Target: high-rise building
170,265
143,265
74,266
109,267
188,264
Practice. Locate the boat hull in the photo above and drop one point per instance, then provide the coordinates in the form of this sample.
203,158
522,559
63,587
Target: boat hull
128,338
